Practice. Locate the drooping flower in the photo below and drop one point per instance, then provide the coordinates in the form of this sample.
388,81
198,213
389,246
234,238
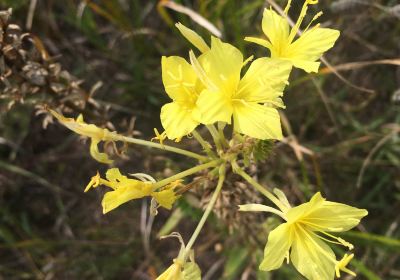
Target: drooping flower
95,133
125,189
302,52
304,235
252,101
179,117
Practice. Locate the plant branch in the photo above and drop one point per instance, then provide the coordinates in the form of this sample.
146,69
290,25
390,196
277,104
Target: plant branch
207,212
161,147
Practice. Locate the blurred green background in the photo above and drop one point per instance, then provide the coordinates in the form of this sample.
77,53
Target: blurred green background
348,124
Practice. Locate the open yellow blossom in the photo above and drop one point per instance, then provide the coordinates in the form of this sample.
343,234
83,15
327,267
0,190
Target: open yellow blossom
96,134
302,52
180,117
303,234
125,189
252,101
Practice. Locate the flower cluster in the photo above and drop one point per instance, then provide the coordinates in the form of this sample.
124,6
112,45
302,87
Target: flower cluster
220,87
210,88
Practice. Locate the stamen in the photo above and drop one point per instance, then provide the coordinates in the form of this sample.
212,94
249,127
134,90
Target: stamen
159,137
287,7
201,73
296,27
341,265
247,60
340,240
313,19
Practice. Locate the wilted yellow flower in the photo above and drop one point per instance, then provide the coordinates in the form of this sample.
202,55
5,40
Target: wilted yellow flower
126,189
180,117
96,134
252,100
167,195
303,234
302,52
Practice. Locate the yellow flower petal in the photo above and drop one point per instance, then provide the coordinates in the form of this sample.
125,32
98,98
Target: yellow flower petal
265,81
310,46
193,37
277,248
311,256
134,190
222,66
94,152
323,215
259,41
335,217
179,79
178,119
114,175
214,107
257,121
276,28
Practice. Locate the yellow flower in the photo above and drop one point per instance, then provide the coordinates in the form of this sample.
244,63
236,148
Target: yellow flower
302,52
180,117
303,235
252,100
96,134
125,189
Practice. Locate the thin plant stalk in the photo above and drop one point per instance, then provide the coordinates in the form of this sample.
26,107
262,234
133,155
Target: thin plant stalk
187,172
257,186
207,212
161,147
203,143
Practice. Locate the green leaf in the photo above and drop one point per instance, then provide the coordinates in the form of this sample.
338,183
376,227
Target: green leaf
237,259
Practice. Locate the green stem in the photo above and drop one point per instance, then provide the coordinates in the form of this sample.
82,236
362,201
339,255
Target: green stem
207,212
221,127
161,147
185,173
256,185
214,133
203,143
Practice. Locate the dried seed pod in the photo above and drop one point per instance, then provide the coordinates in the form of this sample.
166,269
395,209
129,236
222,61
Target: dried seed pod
26,69
235,192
